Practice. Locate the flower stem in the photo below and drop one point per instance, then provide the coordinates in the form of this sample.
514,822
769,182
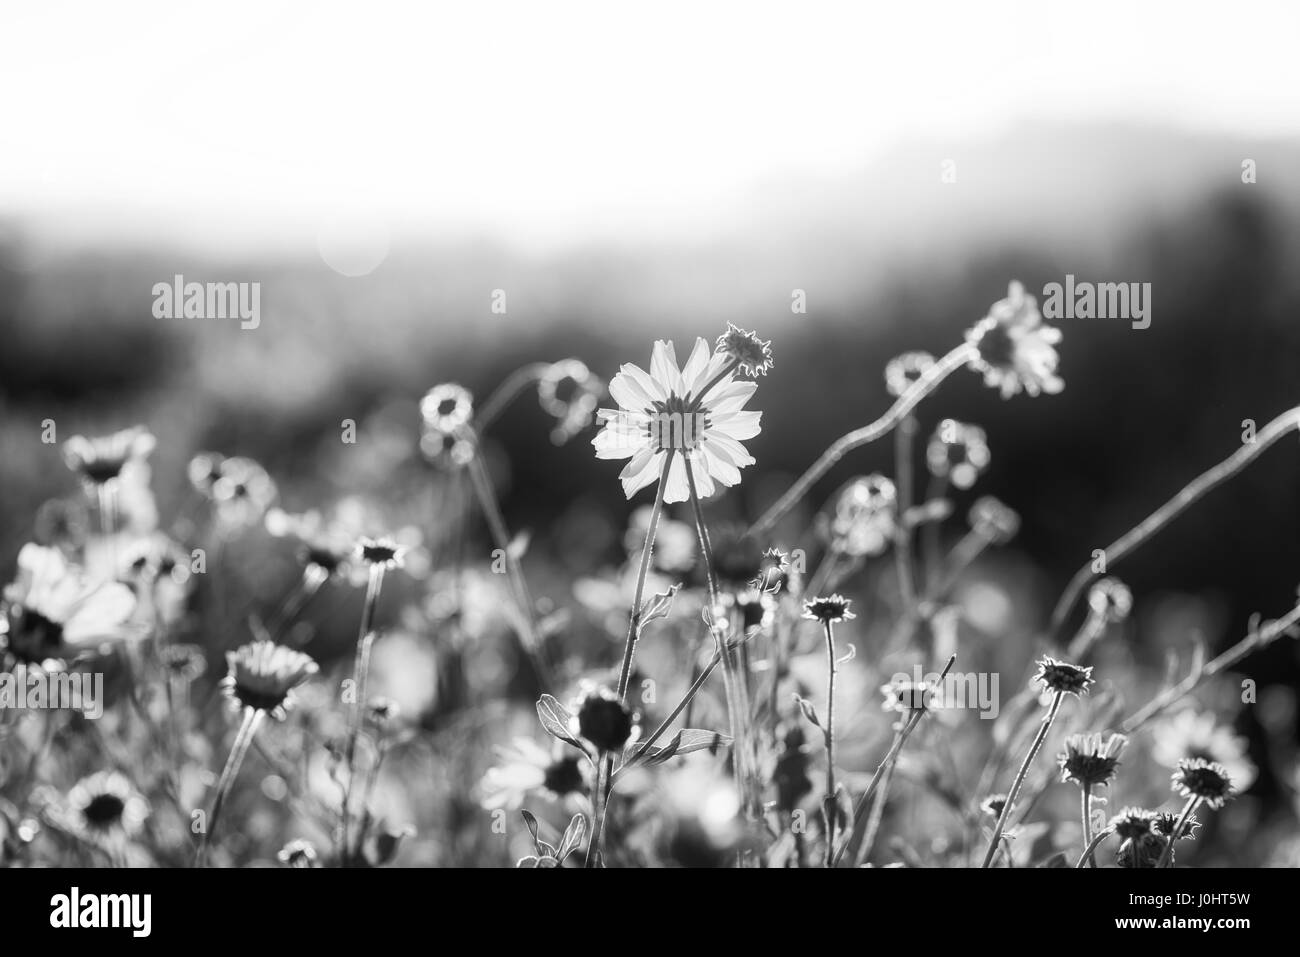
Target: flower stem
739,719
313,576
1090,849
360,677
687,698
1257,639
634,618
482,483
903,437
600,789
508,391
1167,856
846,443
1085,806
830,807
1166,513
1020,777
244,738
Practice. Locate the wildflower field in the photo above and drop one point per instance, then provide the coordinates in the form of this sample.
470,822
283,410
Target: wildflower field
831,673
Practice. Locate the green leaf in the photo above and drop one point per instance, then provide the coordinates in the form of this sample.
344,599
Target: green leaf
657,606
573,836
556,719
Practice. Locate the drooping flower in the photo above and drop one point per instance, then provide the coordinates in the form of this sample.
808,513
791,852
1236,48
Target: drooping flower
829,610
106,803
1090,761
1203,779
100,461
666,411
752,355
263,675
1166,821
958,452
1015,350
1188,734
902,371
52,611
1063,677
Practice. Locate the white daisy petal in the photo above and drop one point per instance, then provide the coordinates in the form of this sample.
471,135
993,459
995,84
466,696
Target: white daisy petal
629,393
614,443
730,396
676,489
706,375
663,367
719,467
99,615
697,363
641,471
700,473
655,390
729,449
737,425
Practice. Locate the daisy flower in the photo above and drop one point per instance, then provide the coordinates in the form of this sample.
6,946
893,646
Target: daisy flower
668,411
100,461
239,489
993,520
52,611
569,392
447,408
1063,677
602,719
1014,350
829,610
106,803
865,516
1191,735
1110,600
752,355
263,674
526,768
1204,780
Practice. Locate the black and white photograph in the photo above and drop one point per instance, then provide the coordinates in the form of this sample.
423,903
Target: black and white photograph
602,436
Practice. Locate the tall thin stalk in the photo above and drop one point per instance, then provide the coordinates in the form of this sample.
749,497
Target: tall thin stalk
360,677
830,804
1039,738
1166,513
247,729
1085,807
846,443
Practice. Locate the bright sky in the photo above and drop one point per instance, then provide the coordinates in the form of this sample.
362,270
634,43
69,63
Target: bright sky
552,121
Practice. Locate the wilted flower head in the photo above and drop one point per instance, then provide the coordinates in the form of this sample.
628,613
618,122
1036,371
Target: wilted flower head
1205,780
380,551
1014,349
446,450
603,720
1089,760
106,803
752,355
263,674
52,611
1110,600
830,610
298,853
1188,734
996,522
957,452
902,371
1060,676
667,411
865,516
570,393
99,461
447,408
